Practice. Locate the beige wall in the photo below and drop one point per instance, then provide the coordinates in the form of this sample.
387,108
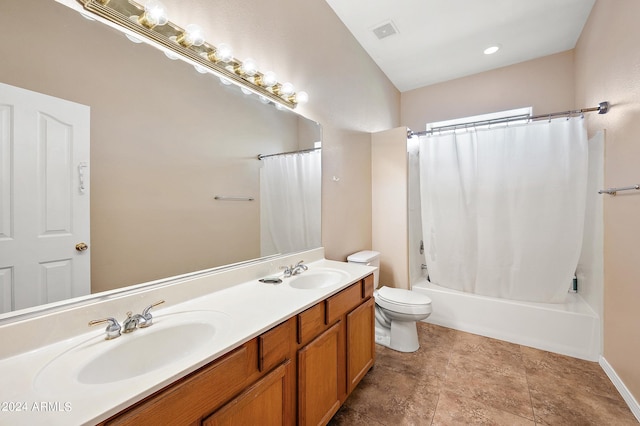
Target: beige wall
546,84
607,62
389,205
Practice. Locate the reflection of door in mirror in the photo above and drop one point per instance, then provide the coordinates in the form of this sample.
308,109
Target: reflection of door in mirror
44,199
165,141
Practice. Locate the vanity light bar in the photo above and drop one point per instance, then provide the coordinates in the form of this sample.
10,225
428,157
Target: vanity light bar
131,15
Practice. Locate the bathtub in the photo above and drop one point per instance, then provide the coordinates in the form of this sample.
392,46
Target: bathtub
572,328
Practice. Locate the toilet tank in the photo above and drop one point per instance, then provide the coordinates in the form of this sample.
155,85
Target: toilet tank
369,258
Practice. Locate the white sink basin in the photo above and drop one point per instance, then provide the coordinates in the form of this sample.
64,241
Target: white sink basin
146,352
173,338
318,278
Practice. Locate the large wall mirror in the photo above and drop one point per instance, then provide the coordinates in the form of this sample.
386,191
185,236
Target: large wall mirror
164,142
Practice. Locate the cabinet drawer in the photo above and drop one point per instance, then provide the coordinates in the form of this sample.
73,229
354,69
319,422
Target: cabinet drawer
273,346
311,323
367,287
343,302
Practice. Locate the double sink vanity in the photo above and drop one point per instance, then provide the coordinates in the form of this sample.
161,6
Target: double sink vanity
223,348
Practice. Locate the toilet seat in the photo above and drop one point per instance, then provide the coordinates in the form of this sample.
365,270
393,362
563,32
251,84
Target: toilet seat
402,301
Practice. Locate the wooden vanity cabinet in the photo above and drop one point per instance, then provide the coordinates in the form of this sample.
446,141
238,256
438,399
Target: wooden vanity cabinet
299,372
331,364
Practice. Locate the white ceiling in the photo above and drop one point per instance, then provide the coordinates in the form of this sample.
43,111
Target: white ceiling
440,40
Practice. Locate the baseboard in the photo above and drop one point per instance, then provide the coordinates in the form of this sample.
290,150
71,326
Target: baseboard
617,382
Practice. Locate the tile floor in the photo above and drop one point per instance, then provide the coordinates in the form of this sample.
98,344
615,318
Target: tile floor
457,378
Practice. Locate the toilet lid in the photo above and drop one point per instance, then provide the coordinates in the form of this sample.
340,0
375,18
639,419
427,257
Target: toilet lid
401,296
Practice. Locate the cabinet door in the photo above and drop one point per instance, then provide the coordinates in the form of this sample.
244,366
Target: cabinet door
361,349
318,393
262,404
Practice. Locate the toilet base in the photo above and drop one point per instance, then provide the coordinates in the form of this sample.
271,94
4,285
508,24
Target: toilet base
401,337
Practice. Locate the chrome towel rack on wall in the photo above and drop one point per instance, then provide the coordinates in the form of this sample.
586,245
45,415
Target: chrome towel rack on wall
230,198
613,191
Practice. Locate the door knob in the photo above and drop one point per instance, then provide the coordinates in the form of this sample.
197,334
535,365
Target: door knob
81,246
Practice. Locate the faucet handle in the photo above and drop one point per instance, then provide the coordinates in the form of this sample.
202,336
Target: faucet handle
113,329
287,270
146,315
302,265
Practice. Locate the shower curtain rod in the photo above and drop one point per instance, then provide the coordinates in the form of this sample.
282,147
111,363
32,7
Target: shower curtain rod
602,108
260,156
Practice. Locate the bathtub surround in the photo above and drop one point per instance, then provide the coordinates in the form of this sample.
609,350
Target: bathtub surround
571,328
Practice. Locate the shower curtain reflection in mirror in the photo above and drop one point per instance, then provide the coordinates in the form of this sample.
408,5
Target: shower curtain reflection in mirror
290,202
503,208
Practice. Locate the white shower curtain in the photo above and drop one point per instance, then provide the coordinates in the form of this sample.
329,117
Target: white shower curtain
503,209
290,199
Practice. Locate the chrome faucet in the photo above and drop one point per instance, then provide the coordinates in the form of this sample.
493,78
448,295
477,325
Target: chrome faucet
143,320
113,329
299,268
294,270
131,323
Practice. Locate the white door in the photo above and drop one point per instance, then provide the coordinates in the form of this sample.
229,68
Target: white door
44,199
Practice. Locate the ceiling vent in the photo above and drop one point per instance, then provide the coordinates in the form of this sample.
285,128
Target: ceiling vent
385,30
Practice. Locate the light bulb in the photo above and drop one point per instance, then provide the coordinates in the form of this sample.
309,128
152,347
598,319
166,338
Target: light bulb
200,69
87,17
287,89
154,14
301,98
246,91
133,39
269,79
225,81
248,67
264,99
171,55
192,36
222,53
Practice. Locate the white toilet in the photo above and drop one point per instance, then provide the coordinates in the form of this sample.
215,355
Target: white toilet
397,310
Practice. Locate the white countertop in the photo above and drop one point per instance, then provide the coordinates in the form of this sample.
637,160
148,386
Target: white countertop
32,394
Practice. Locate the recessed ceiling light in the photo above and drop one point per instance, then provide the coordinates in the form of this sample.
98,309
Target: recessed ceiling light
491,49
